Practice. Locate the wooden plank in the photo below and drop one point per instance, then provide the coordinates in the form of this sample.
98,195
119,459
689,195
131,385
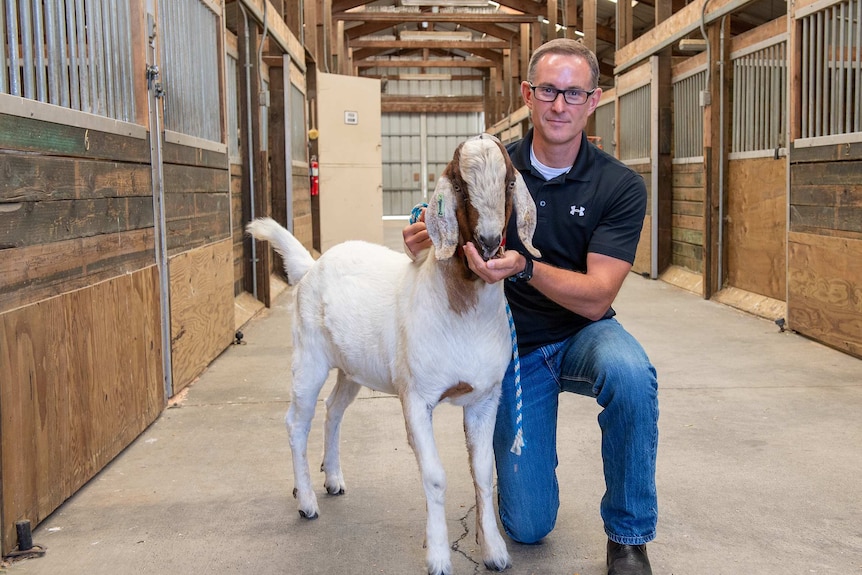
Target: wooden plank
31,178
82,378
829,173
33,223
756,225
30,274
173,153
202,309
825,153
824,280
763,32
28,134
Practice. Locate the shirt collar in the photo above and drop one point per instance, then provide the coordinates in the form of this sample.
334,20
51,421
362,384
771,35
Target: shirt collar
582,170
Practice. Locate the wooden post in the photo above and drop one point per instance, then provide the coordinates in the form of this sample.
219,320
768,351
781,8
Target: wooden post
662,162
715,162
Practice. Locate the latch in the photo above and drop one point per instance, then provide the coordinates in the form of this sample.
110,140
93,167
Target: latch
153,83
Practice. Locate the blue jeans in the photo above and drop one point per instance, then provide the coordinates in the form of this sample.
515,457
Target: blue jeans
602,361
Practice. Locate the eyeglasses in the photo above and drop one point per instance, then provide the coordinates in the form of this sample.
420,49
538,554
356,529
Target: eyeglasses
573,96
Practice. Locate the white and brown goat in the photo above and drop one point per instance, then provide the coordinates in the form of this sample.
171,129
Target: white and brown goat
428,331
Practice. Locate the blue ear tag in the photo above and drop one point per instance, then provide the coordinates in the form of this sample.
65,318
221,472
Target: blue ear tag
440,205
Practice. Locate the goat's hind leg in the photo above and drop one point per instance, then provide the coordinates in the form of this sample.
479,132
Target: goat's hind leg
479,422
308,379
341,397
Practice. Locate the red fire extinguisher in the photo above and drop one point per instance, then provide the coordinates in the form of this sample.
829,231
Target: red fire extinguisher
315,176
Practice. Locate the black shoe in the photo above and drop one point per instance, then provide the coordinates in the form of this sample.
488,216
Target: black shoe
627,559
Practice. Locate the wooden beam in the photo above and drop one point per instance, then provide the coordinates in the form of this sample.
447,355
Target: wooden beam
430,44
431,104
402,63
453,17
366,29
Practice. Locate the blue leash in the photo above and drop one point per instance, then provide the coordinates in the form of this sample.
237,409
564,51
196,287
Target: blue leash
519,442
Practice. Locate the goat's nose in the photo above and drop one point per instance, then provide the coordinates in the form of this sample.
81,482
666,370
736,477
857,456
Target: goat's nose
490,246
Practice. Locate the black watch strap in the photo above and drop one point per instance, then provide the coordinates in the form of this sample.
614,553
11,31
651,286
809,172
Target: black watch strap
526,274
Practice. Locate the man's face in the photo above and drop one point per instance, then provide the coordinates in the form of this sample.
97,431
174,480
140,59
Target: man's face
557,122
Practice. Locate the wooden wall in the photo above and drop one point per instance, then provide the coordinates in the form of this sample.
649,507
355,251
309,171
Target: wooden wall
643,258
82,378
824,291
197,212
80,341
756,226
688,209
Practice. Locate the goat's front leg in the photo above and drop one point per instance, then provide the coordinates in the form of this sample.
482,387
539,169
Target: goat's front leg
420,434
479,421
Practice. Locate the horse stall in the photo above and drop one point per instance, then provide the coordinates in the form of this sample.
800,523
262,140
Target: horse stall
117,238
824,256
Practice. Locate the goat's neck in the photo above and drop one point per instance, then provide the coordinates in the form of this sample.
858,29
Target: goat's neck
463,286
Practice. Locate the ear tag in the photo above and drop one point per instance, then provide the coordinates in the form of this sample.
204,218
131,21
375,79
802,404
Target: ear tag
440,205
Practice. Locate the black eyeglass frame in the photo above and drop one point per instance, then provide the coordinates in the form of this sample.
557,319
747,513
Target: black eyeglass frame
587,94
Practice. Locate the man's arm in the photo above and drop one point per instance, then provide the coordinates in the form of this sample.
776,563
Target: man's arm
589,294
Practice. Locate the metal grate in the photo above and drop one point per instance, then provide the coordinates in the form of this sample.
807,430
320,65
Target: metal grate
605,122
634,120
688,116
189,65
832,70
71,53
760,99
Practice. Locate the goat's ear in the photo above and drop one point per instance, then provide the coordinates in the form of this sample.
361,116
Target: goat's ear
525,208
441,221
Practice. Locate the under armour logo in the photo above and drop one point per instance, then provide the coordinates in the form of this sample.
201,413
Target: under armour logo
579,210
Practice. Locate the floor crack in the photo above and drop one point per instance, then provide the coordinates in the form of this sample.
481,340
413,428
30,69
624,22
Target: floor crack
456,545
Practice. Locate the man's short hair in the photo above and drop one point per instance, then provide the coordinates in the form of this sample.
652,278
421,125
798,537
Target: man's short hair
566,47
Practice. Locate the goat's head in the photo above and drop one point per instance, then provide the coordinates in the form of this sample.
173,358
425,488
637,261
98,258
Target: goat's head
473,201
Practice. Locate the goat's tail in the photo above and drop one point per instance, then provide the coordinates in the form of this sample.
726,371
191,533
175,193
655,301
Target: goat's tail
297,259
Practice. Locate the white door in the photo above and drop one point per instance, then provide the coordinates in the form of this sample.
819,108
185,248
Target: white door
350,147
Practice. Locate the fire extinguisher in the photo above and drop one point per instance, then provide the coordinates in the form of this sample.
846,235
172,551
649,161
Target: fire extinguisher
315,176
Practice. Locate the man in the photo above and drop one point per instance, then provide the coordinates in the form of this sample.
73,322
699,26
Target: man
590,211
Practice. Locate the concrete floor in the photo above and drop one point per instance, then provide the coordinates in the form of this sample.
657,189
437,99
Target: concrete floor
759,467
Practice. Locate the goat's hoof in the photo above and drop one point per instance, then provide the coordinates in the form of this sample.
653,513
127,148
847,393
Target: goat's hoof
305,515
335,490
498,566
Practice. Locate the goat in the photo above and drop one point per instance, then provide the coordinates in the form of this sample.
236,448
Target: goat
428,331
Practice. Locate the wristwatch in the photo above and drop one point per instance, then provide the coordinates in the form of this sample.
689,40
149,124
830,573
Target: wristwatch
526,274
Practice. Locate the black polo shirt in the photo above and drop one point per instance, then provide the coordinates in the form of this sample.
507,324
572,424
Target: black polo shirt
598,206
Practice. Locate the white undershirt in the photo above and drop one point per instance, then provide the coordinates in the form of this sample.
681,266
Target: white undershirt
547,172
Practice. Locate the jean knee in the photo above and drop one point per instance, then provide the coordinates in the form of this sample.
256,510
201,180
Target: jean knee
529,533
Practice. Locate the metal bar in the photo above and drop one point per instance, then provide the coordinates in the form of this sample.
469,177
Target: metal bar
818,76
39,52
53,48
857,106
108,62
27,50
99,59
806,84
12,42
125,30
90,29
3,41
63,68
74,68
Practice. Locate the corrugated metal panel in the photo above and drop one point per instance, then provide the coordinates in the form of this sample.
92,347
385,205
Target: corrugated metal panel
189,66
760,99
416,150
688,116
605,121
832,70
635,124
77,55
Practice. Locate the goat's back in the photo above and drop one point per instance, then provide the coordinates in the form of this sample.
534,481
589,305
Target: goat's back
347,307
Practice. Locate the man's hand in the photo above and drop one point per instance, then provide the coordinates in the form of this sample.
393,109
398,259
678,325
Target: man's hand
495,269
416,238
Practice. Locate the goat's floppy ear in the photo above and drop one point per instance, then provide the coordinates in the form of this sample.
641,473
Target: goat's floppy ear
441,221
525,208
